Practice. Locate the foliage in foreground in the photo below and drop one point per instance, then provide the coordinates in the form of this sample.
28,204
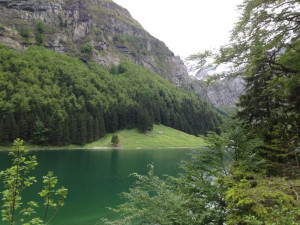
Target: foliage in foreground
228,182
264,50
16,179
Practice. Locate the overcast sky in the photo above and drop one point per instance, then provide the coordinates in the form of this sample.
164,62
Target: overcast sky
186,26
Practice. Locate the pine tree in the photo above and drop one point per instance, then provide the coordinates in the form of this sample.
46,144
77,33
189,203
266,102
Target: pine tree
39,132
115,140
1,132
73,129
22,127
111,120
102,128
156,112
66,132
144,121
90,128
82,128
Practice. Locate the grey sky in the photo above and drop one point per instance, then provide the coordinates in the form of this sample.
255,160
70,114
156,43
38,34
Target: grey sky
187,26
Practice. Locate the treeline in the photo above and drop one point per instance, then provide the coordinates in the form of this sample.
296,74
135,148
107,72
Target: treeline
49,98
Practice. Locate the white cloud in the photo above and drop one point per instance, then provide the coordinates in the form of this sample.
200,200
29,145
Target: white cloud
188,26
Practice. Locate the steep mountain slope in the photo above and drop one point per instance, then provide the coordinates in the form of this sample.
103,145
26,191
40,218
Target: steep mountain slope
97,30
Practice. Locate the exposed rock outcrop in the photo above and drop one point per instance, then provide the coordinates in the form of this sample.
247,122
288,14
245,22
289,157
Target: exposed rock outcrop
106,26
111,32
223,93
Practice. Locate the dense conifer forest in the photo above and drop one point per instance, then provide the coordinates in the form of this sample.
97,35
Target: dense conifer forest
49,98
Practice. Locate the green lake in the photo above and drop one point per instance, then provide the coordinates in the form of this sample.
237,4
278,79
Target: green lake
95,178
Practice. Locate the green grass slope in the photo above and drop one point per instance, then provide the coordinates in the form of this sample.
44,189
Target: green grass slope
168,139
132,139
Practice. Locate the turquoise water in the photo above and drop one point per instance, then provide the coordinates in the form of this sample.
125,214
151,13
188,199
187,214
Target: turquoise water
95,178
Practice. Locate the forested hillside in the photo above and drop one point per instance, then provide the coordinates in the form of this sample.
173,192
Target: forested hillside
50,98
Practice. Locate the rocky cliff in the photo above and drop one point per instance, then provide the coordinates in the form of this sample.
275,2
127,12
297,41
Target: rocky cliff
96,30
222,94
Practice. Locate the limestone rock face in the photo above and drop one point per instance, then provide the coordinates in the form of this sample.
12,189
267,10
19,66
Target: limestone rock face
68,24
226,92
223,93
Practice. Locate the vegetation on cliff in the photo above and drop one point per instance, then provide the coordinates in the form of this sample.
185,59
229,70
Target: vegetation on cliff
100,31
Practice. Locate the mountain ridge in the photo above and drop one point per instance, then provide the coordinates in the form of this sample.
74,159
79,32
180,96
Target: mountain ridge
109,29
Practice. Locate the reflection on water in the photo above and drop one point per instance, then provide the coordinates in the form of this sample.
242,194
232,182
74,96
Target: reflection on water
95,178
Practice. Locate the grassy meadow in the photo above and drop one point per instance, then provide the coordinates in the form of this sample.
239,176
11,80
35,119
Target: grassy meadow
160,137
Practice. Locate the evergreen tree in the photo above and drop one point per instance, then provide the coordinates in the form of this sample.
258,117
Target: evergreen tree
40,30
39,132
115,140
66,132
102,129
82,129
132,117
12,128
144,121
111,120
96,129
30,126
1,133
165,117
73,130
22,127
122,117
90,129
156,113
5,131
56,132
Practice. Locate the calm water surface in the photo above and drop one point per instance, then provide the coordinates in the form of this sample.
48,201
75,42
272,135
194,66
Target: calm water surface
95,178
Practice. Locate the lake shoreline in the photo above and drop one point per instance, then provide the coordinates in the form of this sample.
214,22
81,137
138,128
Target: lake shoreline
161,137
93,148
